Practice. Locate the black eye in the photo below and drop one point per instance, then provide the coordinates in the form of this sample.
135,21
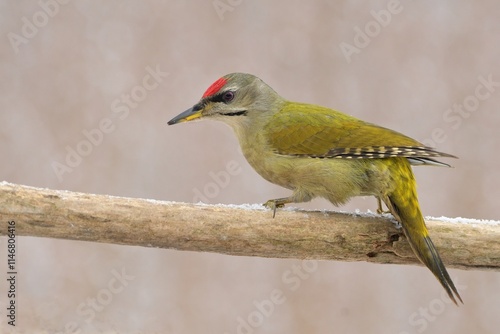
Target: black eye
228,96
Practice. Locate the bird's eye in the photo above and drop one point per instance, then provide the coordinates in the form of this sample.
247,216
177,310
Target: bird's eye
228,96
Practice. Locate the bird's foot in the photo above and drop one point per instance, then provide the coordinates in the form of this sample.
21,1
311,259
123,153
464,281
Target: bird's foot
273,204
380,210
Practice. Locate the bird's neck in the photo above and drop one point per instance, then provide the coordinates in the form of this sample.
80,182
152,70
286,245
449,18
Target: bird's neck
251,136
249,128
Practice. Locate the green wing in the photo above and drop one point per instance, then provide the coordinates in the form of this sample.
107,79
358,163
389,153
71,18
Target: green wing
315,131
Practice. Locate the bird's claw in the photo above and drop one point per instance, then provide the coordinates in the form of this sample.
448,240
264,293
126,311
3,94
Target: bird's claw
380,210
273,205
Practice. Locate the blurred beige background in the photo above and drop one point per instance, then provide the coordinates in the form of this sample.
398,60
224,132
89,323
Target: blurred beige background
68,69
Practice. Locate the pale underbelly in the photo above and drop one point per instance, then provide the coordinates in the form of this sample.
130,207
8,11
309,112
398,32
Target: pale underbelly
334,179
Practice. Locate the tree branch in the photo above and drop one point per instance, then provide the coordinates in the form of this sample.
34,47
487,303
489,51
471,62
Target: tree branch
237,231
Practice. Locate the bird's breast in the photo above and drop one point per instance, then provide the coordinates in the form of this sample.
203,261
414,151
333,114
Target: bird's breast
271,166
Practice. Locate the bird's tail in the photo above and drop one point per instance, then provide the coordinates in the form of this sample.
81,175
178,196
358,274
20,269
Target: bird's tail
403,204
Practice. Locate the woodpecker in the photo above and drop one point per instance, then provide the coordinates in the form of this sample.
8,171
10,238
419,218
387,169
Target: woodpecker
318,152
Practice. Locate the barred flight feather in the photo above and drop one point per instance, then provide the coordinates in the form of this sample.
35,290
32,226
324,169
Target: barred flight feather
418,153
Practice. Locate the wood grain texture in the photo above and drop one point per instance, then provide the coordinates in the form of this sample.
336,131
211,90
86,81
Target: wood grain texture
237,231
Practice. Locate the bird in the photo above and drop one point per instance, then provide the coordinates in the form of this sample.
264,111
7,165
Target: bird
315,151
